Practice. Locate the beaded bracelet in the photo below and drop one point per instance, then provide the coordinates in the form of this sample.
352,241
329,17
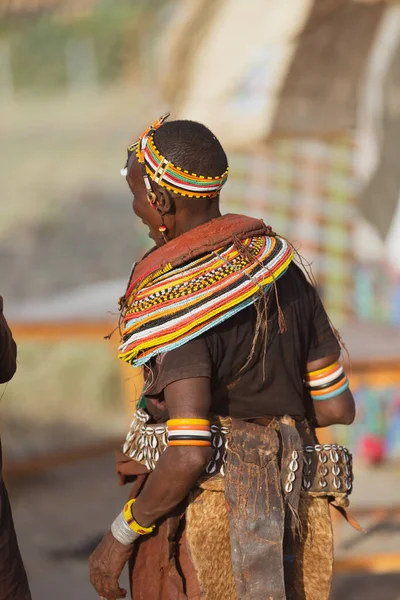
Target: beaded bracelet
126,529
327,383
132,523
189,432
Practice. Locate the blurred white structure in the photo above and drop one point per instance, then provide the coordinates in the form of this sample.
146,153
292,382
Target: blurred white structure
305,97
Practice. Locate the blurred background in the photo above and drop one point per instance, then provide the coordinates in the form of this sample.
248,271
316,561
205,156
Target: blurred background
305,98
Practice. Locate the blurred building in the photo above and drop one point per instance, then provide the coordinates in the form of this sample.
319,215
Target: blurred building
305,97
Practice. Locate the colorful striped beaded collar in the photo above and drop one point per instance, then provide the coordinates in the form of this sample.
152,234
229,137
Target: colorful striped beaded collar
170,302
168,175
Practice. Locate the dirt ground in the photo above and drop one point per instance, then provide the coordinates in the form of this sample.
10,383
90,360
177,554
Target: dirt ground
60,515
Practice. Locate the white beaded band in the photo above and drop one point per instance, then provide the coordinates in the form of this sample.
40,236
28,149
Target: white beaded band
122,532
189,432
327,379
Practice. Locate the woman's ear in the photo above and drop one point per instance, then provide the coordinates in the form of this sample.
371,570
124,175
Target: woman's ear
165,202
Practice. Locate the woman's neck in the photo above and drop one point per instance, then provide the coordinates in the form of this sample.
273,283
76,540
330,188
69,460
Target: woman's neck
191,220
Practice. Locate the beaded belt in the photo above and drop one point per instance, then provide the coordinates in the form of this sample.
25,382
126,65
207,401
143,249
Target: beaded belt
326,470
327,467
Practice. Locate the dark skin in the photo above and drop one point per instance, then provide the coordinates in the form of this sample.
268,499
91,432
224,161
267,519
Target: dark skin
179,467
340,410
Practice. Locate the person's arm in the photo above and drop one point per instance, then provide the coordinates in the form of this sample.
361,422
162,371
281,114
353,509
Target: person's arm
179,467
175,474
338,410
330,407
8,349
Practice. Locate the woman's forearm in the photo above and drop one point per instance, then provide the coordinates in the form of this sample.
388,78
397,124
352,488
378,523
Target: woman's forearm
327,421
337,411
179,467
176,472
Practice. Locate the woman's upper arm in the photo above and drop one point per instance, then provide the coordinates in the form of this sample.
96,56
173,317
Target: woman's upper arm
189,398
323,351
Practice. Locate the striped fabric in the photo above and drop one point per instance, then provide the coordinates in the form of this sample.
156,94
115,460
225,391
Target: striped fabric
176,305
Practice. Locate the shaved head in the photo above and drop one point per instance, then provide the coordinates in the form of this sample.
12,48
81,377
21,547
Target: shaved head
191,146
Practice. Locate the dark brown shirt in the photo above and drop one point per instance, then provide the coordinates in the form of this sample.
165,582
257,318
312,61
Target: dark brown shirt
268,384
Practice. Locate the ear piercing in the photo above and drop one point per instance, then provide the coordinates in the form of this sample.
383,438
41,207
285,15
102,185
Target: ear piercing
152,198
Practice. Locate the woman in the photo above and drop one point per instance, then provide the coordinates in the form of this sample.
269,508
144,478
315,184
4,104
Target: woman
241,365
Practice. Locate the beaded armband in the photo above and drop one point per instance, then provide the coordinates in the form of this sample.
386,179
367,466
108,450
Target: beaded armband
132,523
189,432
328,382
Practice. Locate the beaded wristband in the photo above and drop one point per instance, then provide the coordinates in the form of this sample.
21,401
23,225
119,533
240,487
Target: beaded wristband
327,383
132,523
126,529
189,432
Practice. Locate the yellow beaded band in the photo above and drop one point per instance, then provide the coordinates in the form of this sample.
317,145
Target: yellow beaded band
132,523
173,422
324,370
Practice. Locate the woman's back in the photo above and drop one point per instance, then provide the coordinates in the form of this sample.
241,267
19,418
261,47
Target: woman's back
261,381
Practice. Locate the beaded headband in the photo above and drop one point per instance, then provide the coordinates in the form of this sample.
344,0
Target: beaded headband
166,174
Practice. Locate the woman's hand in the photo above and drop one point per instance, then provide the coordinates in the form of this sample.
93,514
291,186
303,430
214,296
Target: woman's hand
106,564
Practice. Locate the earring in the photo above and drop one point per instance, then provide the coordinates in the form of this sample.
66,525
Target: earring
163,230
152,198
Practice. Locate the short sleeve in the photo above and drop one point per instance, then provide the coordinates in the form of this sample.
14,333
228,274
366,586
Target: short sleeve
190,360
323,341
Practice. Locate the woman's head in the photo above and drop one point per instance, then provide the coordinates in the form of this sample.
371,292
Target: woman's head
186,166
